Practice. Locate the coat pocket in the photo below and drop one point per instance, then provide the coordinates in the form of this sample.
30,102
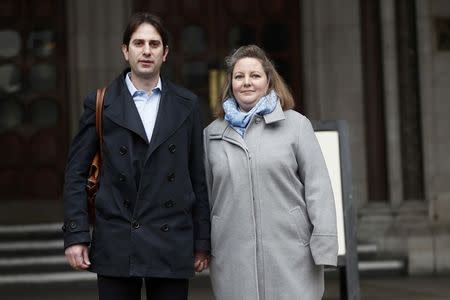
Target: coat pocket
301,224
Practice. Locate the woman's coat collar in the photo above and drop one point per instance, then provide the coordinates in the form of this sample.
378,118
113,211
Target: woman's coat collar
221,129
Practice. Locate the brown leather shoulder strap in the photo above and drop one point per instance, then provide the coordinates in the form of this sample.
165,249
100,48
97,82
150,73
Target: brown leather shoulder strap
99,116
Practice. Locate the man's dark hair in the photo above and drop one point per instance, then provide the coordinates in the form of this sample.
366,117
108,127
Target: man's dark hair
140,18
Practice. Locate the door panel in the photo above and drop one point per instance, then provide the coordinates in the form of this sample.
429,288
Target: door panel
204,32
33,116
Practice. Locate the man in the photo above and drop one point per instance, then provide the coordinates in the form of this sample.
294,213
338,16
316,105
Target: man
152,212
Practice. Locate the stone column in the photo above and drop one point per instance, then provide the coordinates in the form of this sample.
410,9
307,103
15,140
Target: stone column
333,75
391,103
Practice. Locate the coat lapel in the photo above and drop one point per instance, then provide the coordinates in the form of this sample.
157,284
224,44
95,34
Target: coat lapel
232,135
173,111
222,130
120,108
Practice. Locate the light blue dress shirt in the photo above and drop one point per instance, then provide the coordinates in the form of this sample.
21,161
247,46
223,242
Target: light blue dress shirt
146,104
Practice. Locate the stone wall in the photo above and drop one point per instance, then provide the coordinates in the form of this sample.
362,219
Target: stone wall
418,230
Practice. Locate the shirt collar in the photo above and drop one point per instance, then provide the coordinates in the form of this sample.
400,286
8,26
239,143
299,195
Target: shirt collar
133,90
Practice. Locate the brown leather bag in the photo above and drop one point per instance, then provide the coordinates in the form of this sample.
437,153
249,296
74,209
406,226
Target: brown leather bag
96,164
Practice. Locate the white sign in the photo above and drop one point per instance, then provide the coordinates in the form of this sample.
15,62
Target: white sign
329,143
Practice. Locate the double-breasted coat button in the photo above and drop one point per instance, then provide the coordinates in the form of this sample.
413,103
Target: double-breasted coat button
257,120
171,177
72,225
122,177
136,224
126,203
164,228
172,148
169,203
123,150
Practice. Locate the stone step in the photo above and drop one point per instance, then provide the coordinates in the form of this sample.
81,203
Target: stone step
32,261
27,232
34,254
371,261
30,228
43,277
382,265
26,248
31,245
30,266
367,249
39,275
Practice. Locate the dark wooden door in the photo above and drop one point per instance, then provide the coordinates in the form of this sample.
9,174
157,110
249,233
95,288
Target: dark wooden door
203,32
33,116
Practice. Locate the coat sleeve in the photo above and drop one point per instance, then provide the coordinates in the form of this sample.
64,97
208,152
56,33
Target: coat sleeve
318,196
82,150
197,172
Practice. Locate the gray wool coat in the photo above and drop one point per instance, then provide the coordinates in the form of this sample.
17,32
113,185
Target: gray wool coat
272,209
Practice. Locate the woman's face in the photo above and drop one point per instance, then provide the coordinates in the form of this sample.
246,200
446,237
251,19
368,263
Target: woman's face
249,82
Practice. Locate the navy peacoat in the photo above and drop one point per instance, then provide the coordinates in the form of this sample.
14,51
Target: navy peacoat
152,210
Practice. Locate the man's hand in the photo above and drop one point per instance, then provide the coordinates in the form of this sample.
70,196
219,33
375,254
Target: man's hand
201,261
78,256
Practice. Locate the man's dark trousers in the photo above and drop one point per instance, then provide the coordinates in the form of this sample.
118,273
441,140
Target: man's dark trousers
117,288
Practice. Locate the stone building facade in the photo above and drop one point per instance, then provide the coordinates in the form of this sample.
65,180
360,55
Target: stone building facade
384,66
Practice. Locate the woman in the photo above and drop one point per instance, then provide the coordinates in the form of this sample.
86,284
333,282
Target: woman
272,207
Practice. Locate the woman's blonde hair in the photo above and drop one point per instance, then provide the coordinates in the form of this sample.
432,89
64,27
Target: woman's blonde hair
276,82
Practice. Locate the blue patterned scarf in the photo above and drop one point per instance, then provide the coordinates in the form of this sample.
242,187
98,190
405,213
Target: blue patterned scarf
239,119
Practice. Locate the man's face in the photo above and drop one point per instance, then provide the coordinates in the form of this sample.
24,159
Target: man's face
145,53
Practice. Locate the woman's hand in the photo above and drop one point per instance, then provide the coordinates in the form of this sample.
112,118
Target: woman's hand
201,261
